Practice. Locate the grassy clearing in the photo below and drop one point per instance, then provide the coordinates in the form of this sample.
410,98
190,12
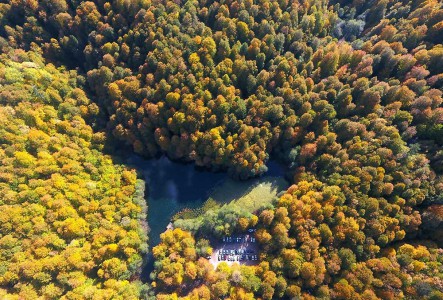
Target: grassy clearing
250,196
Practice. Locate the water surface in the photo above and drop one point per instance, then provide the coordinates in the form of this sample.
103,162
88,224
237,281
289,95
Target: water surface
173,186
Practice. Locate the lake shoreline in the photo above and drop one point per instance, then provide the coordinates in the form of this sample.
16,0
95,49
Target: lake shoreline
171,186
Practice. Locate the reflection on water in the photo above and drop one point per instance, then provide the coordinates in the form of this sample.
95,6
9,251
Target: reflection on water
173,186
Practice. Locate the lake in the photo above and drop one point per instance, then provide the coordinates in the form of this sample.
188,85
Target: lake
173,186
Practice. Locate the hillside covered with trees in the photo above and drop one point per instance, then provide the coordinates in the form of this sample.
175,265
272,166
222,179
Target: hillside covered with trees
71,220
348,95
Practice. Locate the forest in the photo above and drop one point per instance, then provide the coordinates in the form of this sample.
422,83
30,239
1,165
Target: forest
347,94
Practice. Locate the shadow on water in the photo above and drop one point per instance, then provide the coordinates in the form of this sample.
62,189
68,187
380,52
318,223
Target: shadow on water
173,186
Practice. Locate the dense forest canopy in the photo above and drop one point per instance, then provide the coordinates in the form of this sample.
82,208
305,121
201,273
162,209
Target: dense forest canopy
70,219
346,94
